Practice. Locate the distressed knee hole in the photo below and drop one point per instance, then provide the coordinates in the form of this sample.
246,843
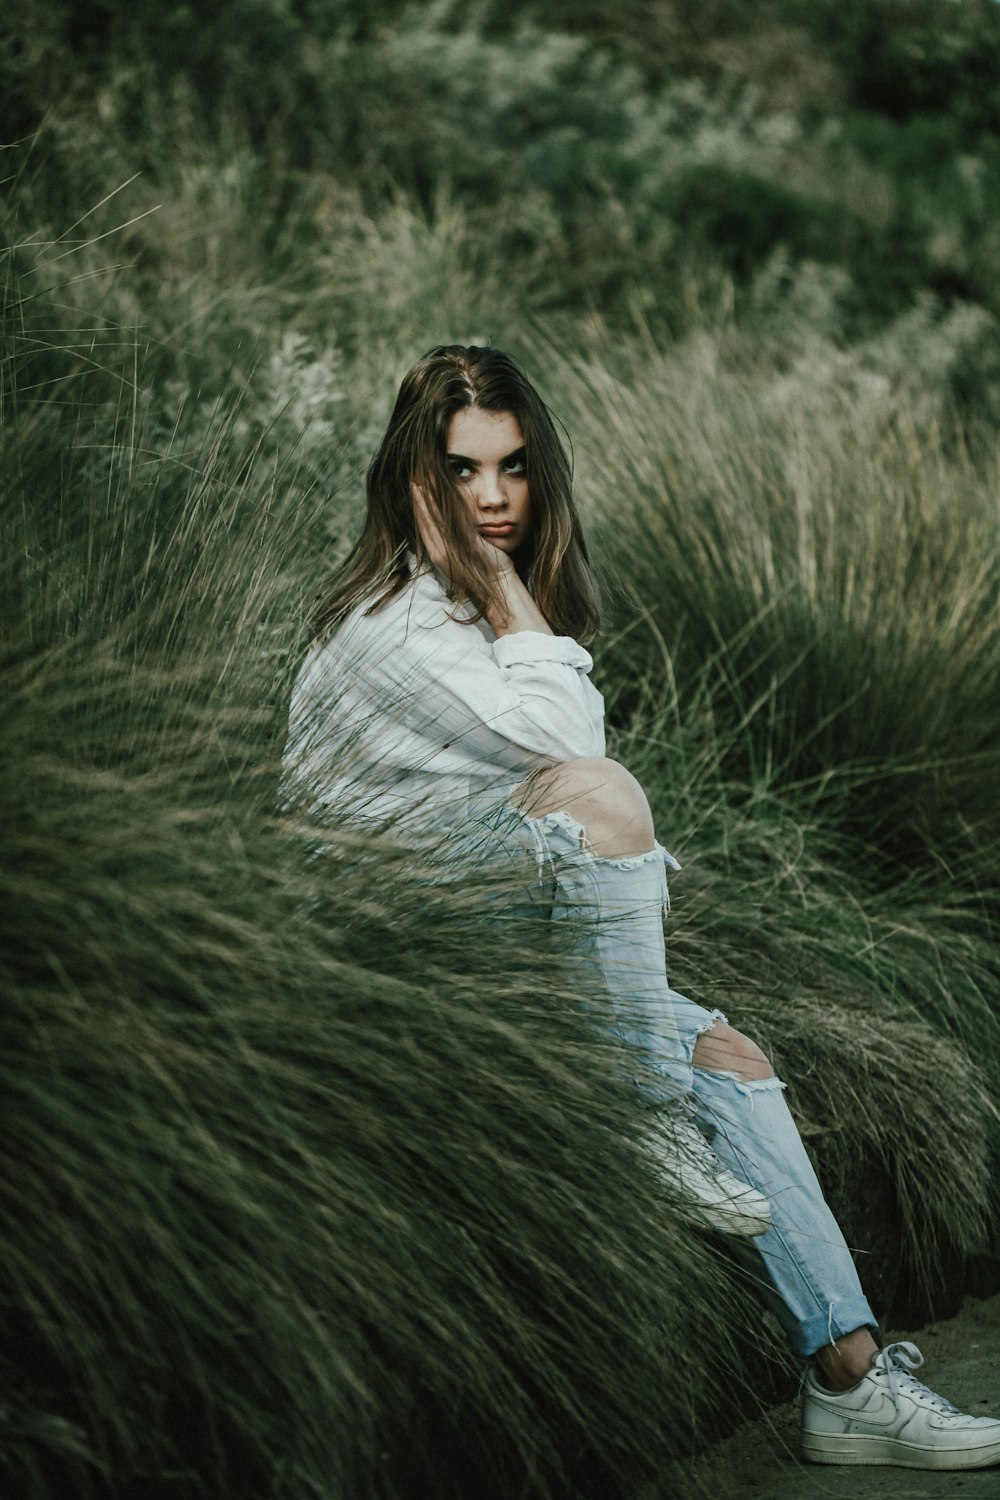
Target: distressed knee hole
721,1049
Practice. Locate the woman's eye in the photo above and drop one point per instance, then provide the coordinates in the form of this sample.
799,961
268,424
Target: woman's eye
516,466
461,471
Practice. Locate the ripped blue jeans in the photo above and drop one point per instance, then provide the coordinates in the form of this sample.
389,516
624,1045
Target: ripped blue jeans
619,905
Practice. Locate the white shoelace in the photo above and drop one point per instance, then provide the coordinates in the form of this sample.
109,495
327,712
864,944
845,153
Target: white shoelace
896,1361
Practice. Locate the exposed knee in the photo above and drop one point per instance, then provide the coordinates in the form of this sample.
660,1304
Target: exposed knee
725,1050
602,795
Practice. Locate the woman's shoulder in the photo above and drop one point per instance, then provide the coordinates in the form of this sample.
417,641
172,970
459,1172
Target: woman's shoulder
421,604
417,618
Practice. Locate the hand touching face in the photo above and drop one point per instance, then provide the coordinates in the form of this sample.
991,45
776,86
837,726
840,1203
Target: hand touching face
486,455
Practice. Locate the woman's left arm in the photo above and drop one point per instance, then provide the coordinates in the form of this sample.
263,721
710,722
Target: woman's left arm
527,691
516,610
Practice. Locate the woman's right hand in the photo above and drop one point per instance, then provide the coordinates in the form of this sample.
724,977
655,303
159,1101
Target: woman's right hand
512,608
429,527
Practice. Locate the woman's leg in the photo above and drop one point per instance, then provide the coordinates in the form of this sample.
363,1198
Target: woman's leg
868,1408
726,1054
616,884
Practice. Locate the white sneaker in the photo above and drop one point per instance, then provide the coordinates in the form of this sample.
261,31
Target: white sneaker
712,1193
890,1418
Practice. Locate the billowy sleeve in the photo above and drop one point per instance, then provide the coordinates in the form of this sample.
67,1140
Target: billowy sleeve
524,699
423,690
541,697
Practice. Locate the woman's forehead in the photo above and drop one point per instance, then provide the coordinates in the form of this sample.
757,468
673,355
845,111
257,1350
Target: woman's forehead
475,433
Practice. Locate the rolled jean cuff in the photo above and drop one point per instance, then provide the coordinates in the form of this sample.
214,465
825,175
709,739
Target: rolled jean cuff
840,1318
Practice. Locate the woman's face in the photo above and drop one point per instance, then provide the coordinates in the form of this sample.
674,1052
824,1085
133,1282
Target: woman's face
486,455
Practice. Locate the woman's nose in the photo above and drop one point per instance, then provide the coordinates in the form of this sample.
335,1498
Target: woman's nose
489,491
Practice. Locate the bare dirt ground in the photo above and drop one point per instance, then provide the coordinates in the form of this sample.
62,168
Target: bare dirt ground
760,1461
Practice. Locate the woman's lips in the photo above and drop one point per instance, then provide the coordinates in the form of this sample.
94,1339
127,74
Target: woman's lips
502,528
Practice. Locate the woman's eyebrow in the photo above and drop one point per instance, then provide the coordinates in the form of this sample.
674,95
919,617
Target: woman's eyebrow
473,463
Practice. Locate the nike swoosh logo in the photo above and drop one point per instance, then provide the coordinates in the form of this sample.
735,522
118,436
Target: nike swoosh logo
879,1416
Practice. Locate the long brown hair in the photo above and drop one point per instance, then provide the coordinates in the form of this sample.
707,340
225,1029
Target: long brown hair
553,562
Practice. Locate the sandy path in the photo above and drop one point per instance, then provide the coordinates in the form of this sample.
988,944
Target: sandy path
761,1461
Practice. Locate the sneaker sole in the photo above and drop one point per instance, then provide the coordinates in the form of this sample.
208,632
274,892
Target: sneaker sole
853,1448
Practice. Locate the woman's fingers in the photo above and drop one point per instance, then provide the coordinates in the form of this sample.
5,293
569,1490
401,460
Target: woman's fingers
432,536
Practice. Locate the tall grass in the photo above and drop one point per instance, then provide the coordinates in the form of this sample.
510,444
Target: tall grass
317,1178
317,1181
837,562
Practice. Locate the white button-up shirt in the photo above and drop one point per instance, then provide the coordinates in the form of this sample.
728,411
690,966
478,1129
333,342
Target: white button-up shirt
410,711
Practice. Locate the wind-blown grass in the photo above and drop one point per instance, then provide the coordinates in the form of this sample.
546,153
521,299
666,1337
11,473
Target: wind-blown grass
317,1180
839,567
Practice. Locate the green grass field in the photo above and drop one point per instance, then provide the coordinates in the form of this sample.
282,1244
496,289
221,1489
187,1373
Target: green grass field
317,1179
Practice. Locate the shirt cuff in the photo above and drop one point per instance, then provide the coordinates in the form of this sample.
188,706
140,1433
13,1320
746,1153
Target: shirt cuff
525,647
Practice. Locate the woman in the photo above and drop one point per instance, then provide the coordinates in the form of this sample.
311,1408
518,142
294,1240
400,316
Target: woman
448,685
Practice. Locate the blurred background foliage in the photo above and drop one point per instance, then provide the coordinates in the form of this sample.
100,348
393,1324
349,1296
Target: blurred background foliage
623,142
288,1211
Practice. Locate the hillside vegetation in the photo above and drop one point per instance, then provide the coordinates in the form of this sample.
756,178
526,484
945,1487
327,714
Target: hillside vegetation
317,1179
